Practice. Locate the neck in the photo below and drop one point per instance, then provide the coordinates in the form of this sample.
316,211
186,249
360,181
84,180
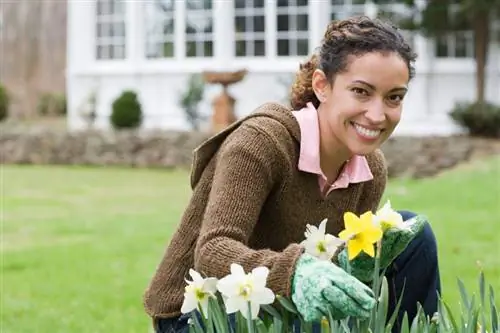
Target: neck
332,153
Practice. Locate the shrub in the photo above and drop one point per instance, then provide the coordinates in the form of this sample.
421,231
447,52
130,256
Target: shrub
4,103
52,104
480,120
126,111
190,99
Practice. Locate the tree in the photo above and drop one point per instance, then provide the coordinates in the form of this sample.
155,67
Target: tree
440,17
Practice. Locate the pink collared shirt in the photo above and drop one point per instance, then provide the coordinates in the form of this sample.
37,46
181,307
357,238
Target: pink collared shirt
356,170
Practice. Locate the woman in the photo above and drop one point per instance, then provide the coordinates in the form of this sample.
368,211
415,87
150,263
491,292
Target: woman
260,181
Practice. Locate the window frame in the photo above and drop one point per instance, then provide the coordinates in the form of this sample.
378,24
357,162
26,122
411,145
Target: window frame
224,55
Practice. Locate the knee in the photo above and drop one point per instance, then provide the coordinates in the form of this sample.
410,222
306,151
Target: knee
426,241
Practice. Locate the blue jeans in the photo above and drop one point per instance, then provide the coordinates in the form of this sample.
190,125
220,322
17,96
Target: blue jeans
417,265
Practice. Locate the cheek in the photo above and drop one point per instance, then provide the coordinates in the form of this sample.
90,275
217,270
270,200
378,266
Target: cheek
394,116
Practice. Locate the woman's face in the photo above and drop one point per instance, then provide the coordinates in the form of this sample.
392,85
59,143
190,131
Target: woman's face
362,107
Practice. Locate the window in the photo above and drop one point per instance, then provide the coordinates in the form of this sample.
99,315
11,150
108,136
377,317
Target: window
199,28
250,28
455,45
459,43
110,29
159,20
293,27
342,9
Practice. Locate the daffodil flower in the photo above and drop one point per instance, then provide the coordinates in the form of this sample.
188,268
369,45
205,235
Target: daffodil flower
241,290
360,234
387,218
320,244
197,292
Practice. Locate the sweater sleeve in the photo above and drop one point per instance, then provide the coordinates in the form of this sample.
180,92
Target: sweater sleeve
247,168
374,189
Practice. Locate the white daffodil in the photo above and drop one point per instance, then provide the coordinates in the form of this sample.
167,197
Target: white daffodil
387,218
197,292
320,244
241,290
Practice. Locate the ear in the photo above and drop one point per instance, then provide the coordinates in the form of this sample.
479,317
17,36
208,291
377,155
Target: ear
320,85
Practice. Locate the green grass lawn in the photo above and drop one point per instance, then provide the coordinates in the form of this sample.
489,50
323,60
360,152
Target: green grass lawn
79,244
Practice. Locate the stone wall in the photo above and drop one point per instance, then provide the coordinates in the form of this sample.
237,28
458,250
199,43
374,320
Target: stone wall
408,156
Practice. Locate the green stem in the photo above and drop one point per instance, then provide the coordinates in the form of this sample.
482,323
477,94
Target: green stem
250,325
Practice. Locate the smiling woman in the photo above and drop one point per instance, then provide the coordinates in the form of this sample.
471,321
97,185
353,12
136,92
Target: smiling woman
258,183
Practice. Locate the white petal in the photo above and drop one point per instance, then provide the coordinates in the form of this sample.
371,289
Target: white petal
234,304
190,303
332,240
195,275
210,285
237,270
263,296
254,310
260,275
322,226
228,286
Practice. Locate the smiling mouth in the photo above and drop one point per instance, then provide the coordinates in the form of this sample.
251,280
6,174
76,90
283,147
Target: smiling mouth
365,132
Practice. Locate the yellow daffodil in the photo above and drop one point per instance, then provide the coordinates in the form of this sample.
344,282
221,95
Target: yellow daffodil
360,234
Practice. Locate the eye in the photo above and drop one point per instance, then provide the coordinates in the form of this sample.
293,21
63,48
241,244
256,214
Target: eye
396,99
360,91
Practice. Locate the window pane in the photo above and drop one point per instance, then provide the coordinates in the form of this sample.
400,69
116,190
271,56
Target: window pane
260,48
110,29
208,49
240,48
240,24
199,27
283,23
250,27
292,24
159,21
259,23
302,23
258,3
283,47
302,47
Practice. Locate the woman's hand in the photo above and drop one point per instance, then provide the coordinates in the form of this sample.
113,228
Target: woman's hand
320,286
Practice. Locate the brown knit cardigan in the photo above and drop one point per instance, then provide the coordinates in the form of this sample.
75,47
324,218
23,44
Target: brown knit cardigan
250,205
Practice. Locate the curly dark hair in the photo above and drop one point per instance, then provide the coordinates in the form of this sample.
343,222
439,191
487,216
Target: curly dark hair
343,38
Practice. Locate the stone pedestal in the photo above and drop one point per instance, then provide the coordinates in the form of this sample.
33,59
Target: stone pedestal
223,113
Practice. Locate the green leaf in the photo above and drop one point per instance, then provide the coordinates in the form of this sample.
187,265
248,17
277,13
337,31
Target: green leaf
404,324
288,305
382,306
463,294
271,310
277,325
494,313
385,299
260,326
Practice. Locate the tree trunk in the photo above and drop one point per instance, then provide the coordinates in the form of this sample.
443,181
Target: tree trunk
481,27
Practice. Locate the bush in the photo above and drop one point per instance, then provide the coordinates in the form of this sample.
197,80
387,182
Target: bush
4,103
126,111
480,120
52,104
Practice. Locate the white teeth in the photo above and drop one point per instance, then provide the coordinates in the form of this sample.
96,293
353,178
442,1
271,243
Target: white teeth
367,132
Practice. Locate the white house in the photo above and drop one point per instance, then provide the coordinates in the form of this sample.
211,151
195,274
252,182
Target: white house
153,46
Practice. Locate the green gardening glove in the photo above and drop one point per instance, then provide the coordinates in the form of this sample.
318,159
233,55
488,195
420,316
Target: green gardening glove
395,239
319,286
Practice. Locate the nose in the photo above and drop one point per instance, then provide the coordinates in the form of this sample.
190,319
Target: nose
375,113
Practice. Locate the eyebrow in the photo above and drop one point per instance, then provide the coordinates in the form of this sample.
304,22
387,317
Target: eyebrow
371,86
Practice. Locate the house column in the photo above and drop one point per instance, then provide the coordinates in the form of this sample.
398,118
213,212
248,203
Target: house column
223,30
